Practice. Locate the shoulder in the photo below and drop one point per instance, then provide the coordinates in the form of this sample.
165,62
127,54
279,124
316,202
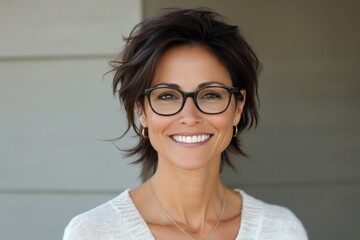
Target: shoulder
278,219
272,221
96,223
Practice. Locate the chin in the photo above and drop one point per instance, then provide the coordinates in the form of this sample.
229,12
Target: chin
193,164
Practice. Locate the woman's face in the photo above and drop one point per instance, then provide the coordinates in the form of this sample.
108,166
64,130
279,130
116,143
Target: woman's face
189,67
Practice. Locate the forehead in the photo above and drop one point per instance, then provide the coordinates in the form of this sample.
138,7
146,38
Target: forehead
190,66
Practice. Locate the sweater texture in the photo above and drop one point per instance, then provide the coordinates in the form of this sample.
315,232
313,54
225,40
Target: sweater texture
119,219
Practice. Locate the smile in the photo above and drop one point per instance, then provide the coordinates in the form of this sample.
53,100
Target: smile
191,139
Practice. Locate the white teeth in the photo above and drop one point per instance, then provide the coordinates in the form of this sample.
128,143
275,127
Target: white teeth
191,139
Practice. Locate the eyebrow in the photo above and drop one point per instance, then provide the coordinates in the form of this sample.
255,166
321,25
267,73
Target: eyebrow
201,85
171,85
205,84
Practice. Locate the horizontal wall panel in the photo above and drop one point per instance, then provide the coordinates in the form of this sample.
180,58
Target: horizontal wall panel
55,118
38,28
42,216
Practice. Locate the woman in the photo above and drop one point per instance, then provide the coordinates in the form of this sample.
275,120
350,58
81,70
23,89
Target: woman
191,80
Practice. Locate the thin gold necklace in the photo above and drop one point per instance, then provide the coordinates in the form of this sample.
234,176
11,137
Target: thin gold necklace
207,237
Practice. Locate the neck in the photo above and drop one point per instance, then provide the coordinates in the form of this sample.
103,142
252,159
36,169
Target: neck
192,198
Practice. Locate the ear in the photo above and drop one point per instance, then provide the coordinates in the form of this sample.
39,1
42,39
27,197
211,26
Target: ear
239,107
140,111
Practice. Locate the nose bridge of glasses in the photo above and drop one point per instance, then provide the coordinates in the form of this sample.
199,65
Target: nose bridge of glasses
189,94
192,95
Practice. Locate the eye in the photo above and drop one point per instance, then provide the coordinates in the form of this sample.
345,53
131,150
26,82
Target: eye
210,95
167,95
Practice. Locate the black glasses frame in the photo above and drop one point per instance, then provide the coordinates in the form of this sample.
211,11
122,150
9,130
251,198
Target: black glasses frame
193,95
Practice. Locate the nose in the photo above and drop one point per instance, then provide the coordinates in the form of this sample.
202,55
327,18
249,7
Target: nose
190,114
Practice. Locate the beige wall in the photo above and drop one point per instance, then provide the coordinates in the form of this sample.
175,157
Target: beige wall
304,154
55,111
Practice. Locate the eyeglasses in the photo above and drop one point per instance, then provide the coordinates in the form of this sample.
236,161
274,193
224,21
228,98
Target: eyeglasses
167,101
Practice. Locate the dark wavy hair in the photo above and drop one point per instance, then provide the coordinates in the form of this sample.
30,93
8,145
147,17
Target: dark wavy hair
150,39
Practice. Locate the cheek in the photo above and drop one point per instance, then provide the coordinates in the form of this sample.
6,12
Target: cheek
158,123
157,126
224,124
226,120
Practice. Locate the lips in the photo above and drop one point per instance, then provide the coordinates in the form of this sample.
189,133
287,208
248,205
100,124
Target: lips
191,139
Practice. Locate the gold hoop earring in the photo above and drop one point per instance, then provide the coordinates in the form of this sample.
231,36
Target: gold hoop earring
144,132
235,131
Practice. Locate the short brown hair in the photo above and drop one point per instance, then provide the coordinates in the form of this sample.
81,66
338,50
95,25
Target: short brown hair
150,39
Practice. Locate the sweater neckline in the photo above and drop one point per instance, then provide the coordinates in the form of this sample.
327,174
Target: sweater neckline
250,224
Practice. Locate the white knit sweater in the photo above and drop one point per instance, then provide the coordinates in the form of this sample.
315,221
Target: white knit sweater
119,219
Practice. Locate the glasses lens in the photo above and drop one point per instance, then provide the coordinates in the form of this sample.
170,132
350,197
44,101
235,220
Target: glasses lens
166,101
213,99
